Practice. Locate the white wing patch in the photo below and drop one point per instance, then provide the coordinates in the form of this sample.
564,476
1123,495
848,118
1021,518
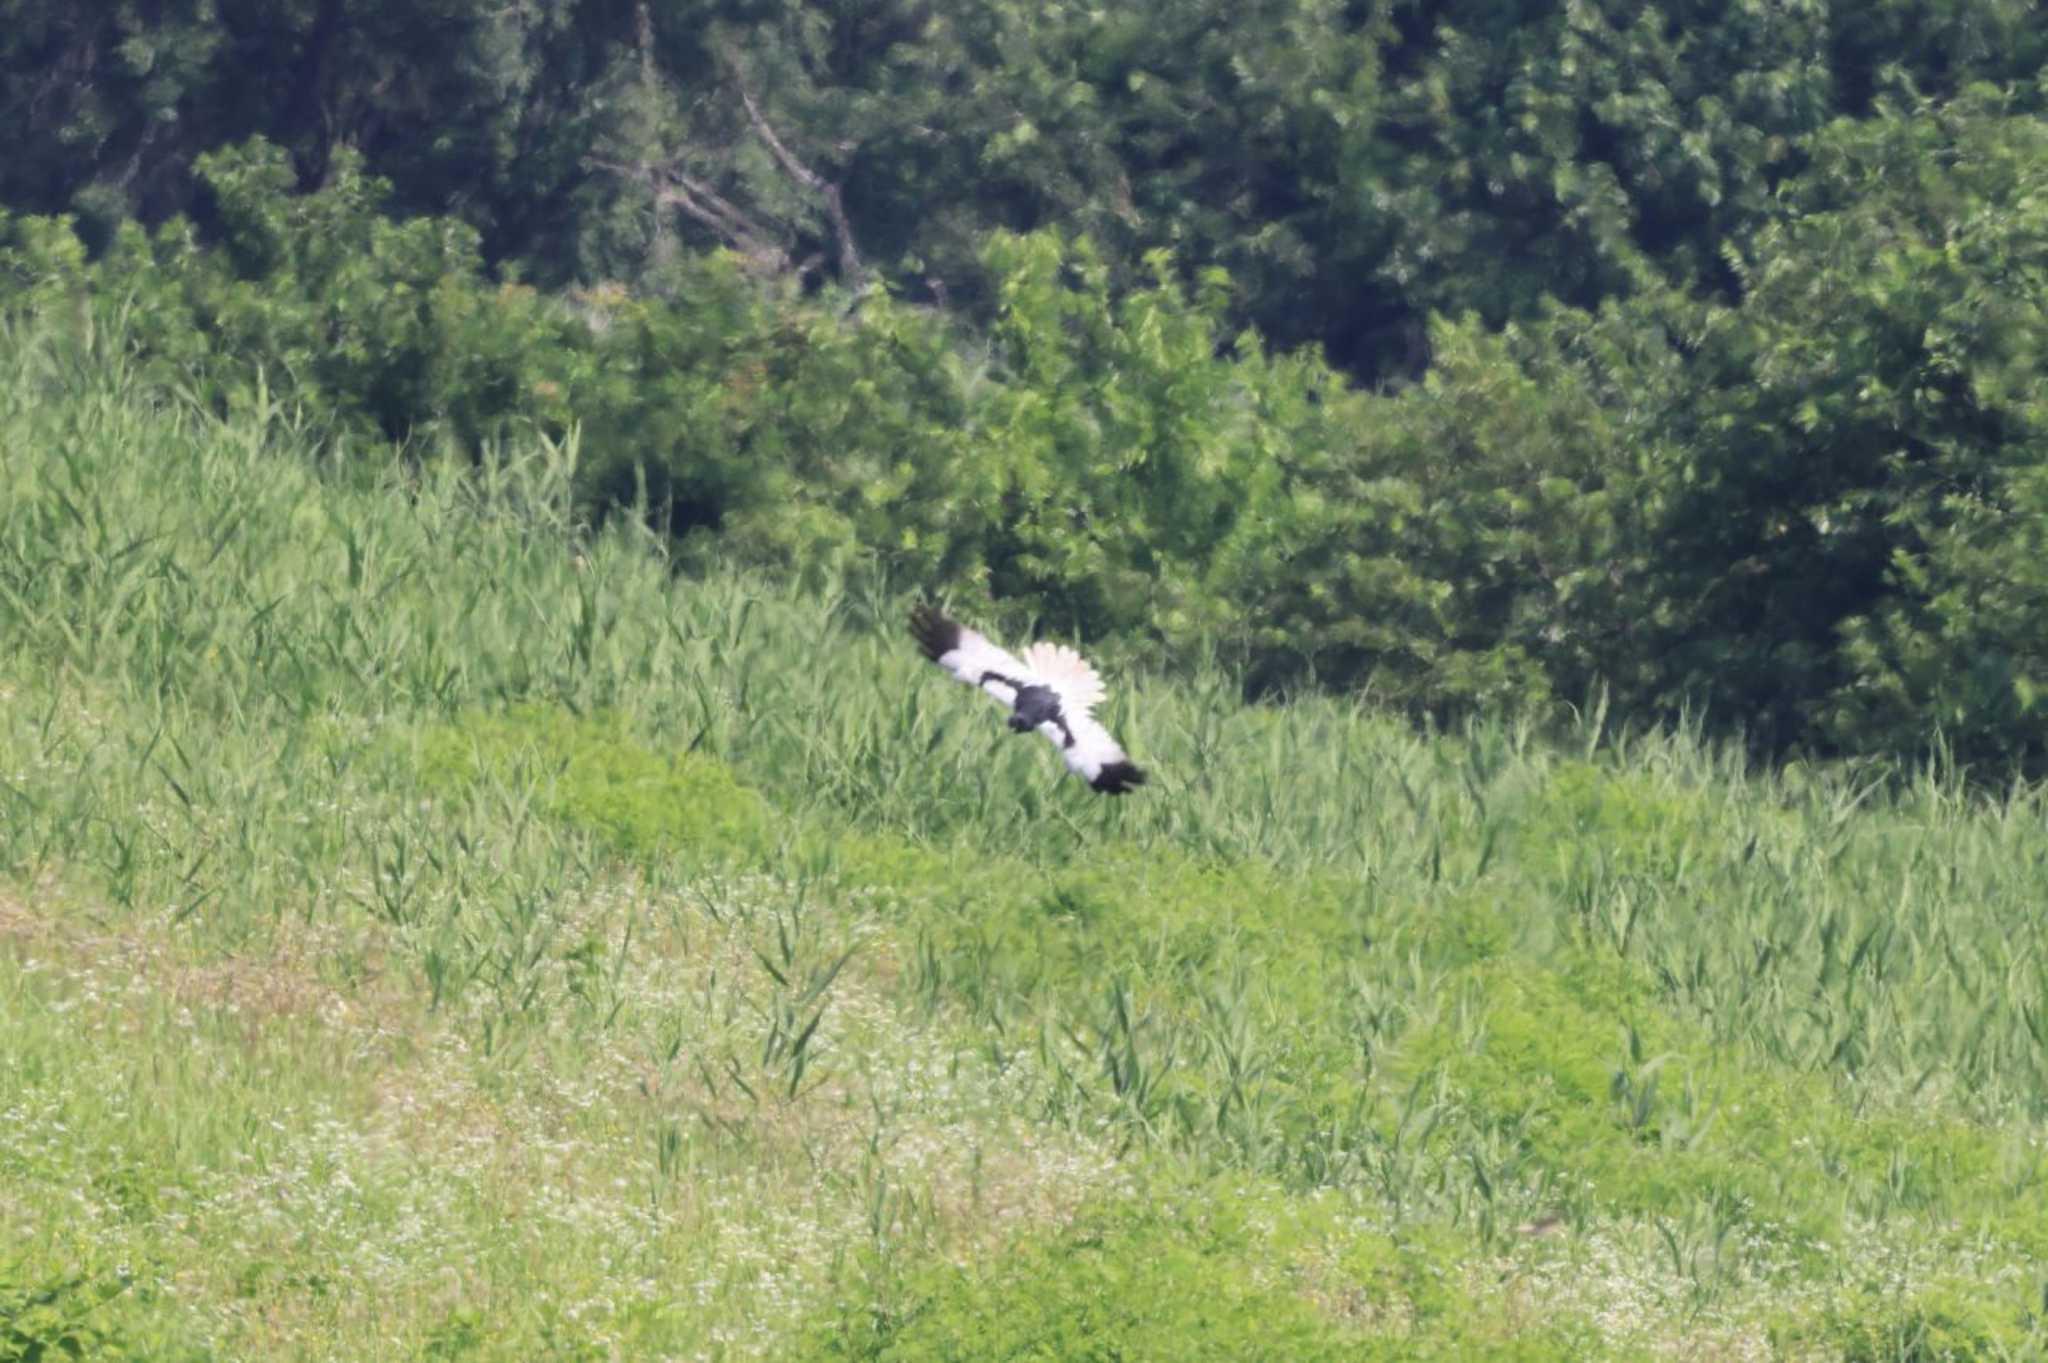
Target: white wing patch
1066,672
1094,748
974,658
967,654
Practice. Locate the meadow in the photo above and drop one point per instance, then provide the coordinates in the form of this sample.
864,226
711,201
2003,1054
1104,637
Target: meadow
434,927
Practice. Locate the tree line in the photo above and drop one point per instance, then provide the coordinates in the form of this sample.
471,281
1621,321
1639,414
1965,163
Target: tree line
1469,353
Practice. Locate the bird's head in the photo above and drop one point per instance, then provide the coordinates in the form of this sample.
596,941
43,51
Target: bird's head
1020,725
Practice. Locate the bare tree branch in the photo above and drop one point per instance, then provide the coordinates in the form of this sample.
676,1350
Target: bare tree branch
764,241
711,208
798,171
643,34
835,210
663,246
674,188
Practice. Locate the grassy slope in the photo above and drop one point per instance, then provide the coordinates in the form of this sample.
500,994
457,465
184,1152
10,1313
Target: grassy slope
427,931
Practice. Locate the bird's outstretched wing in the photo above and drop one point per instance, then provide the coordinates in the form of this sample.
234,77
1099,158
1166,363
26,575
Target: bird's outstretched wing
1097,758
967,654
1088,748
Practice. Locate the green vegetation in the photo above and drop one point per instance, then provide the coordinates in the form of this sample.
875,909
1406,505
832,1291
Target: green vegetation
1484,358
1561,490
432,926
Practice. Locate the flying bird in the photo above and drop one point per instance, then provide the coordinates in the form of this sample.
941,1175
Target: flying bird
1051,689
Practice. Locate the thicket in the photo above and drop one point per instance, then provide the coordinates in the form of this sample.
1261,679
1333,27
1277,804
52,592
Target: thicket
1355,166
1688,358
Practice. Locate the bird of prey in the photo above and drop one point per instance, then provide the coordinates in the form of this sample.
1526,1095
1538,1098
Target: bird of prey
1050,688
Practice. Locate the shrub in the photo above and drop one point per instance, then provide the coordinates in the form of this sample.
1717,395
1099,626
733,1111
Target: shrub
591,775
1115,1285
56,1318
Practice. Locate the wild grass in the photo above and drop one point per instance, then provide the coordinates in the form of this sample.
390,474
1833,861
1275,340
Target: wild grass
433,928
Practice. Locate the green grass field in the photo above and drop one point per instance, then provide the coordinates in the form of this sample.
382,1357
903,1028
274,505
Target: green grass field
432,929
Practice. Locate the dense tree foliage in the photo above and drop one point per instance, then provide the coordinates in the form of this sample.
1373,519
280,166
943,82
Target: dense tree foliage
1355,167
1464,352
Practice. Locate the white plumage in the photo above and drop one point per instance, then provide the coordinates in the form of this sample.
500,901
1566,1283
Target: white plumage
1066,672
1051,689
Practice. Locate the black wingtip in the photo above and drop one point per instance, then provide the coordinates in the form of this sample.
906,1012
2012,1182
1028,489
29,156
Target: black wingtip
1118,778
936,633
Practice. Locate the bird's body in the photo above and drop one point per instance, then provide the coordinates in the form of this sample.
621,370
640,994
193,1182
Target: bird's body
1051,689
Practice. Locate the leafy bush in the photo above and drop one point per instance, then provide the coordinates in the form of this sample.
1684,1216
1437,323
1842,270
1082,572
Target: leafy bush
1115,1285
1472,540
57,1318
590,774
1207,1272
1858,433
376,327
1961,649
1933,1325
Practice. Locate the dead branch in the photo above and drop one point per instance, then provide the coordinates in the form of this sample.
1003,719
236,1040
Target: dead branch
675,188
828,191
762,242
